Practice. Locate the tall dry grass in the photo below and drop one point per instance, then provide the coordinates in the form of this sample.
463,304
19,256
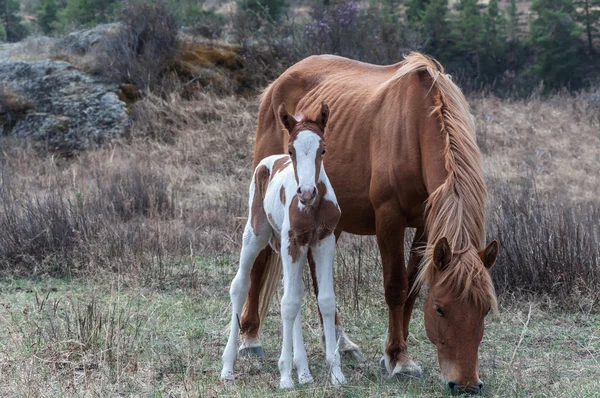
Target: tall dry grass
177,191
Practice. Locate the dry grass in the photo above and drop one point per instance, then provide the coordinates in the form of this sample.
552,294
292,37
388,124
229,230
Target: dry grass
553,140
146,311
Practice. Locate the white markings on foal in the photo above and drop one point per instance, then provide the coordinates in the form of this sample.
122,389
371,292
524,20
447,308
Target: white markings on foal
297,206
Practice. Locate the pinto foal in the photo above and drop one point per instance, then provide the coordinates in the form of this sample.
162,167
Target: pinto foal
293,208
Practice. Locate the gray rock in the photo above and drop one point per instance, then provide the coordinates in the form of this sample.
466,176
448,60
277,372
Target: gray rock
81,41
70,110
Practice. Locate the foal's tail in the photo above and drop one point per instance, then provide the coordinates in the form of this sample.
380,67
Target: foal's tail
268,286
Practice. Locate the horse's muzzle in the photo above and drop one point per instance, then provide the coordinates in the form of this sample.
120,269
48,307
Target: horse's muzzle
307,196
457,389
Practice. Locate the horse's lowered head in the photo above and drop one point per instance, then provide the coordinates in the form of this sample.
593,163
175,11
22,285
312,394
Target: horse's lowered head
306,147
460,296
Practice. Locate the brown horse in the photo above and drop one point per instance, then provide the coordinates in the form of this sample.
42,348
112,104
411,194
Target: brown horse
401,154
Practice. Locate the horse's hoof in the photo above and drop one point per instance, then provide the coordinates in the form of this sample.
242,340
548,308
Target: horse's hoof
227,376
353,355
256,351
407,371
286,384
384,369
305,378
338,379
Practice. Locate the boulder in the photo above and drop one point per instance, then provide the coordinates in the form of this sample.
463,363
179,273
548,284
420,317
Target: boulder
67,110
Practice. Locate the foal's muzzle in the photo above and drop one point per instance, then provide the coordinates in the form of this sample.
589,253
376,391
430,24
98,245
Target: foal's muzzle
307,196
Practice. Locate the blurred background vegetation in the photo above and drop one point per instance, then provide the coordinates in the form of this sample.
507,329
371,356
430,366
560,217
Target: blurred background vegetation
509,47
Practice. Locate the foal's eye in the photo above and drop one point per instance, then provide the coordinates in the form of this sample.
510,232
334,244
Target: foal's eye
323,152
290,153
439,310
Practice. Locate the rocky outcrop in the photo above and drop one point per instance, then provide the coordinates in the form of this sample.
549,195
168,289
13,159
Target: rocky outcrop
67,110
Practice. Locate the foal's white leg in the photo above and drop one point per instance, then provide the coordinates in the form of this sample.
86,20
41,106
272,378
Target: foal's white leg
251,247
293,289
300,358
323,254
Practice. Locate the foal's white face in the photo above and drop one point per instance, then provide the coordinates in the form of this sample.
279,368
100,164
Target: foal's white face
306,148
306,151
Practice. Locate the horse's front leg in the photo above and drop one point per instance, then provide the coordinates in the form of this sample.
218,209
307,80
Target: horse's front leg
252,244
300,357
323,253
390,239
346,347
293,289
416,255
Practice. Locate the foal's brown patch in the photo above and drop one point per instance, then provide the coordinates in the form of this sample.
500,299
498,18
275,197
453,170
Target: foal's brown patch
280,165
261,181
313,223
282,195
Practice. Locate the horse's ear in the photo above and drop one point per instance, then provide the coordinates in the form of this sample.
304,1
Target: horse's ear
442,254
323,116
489,254
287,120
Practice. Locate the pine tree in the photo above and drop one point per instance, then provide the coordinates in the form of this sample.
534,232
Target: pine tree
415,10
87,12
47,15
553,36
468,34
436,29
513,29
13,28
493,42
589,16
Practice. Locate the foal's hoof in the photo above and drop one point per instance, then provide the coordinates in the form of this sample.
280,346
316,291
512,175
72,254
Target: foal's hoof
287,384
305,378
227,376
353,354
256,351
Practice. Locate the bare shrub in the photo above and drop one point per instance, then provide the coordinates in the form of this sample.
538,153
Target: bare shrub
134,191
81,334
40,230
549,247
140,48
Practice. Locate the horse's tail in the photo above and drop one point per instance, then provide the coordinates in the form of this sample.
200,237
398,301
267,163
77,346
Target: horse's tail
270,137
269,284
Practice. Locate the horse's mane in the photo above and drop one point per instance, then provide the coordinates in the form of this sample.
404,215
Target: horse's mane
456,209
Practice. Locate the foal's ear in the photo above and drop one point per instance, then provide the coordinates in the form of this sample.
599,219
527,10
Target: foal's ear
287,120
489,254
323,116
442,254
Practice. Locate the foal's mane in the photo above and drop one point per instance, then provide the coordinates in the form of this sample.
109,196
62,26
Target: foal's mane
456,209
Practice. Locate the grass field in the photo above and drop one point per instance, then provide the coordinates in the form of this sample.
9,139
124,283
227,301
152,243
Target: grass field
61,337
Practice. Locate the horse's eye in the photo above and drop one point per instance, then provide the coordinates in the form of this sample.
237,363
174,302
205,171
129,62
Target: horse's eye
439,310
323,153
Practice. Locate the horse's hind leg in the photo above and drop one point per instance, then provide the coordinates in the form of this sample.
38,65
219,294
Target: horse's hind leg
251,247
346,347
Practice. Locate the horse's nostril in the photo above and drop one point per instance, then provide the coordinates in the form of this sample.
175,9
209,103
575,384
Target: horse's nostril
480,385
299,191
452,385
